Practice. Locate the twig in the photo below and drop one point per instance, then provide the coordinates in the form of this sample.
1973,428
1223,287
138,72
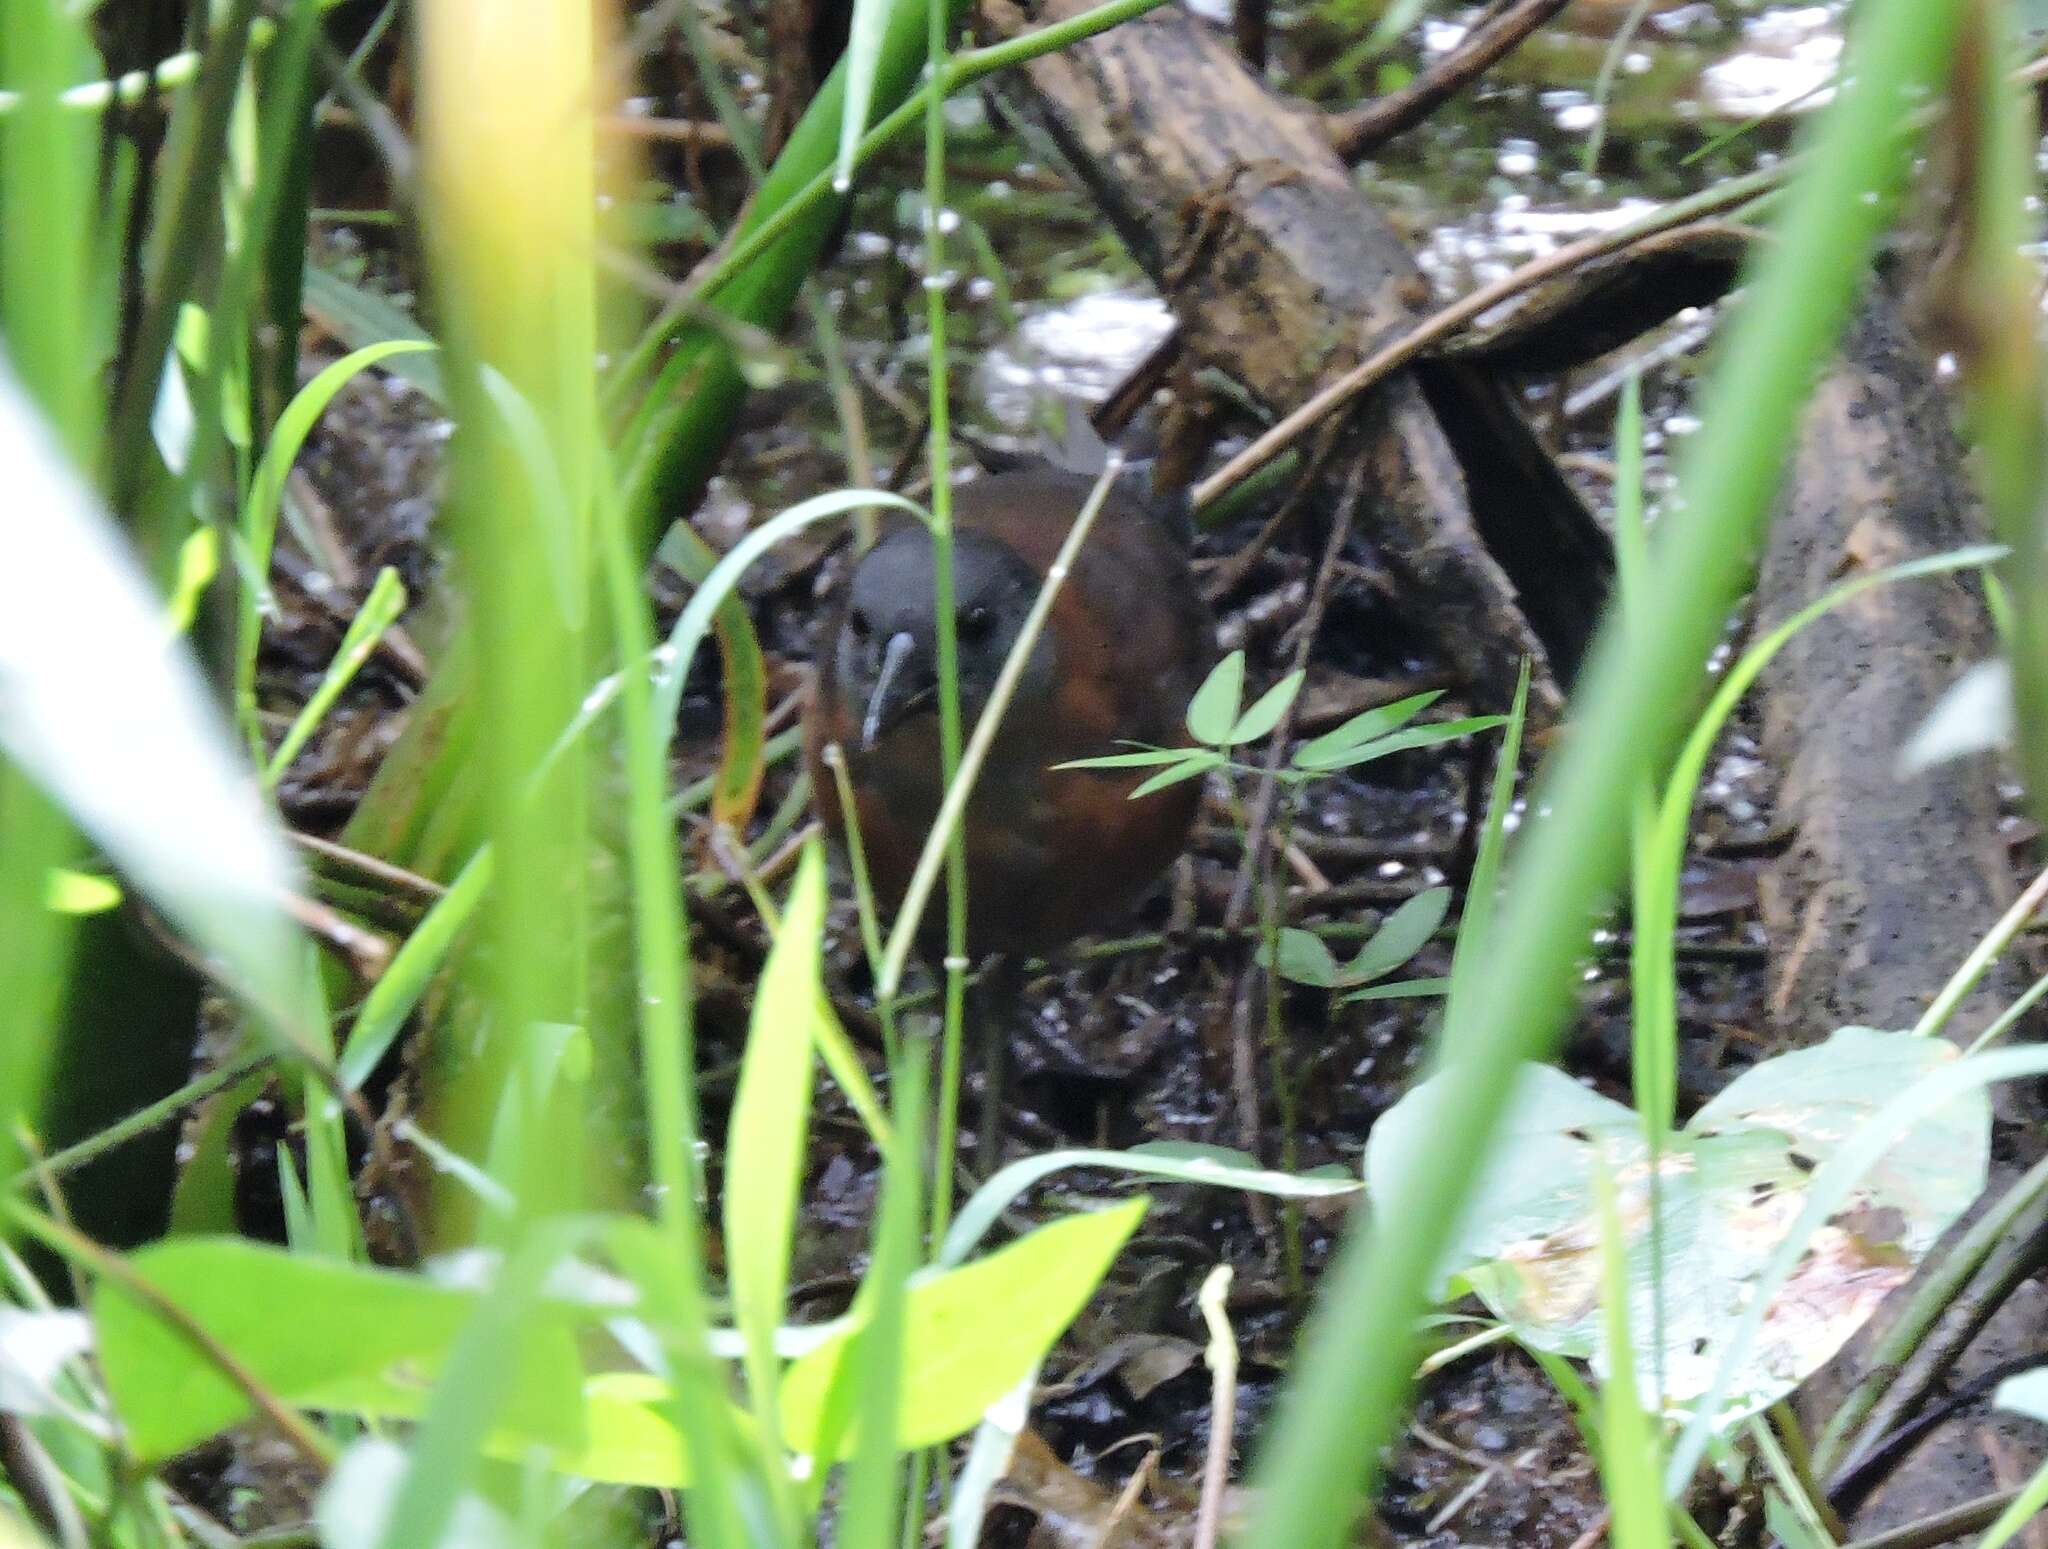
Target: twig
1943,1525
1365,128
1433,330
366,953
372,867
1221,1357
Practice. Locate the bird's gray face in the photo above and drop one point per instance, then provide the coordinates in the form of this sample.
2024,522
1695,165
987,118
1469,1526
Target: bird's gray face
886,657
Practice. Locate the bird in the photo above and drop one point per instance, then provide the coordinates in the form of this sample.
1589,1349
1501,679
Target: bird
1052,854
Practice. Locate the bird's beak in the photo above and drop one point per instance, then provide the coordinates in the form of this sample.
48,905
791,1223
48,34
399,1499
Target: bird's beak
895,694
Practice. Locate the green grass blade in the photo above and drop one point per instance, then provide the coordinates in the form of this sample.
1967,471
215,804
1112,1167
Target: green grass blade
380,610
873,1501
1630,1469
413,967
765,1147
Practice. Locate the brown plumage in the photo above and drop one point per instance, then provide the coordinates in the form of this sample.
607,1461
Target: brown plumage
1051,854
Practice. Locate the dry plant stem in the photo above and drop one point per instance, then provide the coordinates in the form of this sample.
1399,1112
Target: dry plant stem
1433,330
1943,1526
1258,864
39,1484
2019,1252
1222,1360
370,867
365,953
1362,130
975,754
1852,1430
79,1249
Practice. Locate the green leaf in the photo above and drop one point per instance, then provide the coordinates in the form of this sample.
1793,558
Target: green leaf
1363,728
970,1333
1401,742
1263,716
1403,934
380,610
1304,959
864,36
770,1122
1141,759
96,695
1402,989
413,967
1198,762
1162,1160
1213,710
317,1332
1730,1187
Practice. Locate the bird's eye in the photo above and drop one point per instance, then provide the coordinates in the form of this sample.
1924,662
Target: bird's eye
857,621
976,623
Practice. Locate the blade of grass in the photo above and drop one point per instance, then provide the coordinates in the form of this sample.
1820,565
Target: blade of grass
1629,1466
380,610
1352,1374
47,170
180,246
873,1500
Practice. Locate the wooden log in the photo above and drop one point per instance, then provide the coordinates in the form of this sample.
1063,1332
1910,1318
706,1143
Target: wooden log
1283,274
1888,881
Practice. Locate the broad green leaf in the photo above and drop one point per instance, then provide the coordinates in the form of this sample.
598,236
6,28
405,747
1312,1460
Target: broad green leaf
1403,934
971,1333
1730,1188
317,1332
1304,959
1364,728
1265,714
1195,765
1399,742
1142,758
1213,710
771,1117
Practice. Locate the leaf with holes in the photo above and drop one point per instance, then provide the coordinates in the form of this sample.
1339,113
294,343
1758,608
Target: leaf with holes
1728,1189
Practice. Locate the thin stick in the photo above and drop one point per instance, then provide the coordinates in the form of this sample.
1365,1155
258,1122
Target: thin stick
1363,129
1433,330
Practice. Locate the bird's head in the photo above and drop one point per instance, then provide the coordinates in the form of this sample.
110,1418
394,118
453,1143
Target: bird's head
887,652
